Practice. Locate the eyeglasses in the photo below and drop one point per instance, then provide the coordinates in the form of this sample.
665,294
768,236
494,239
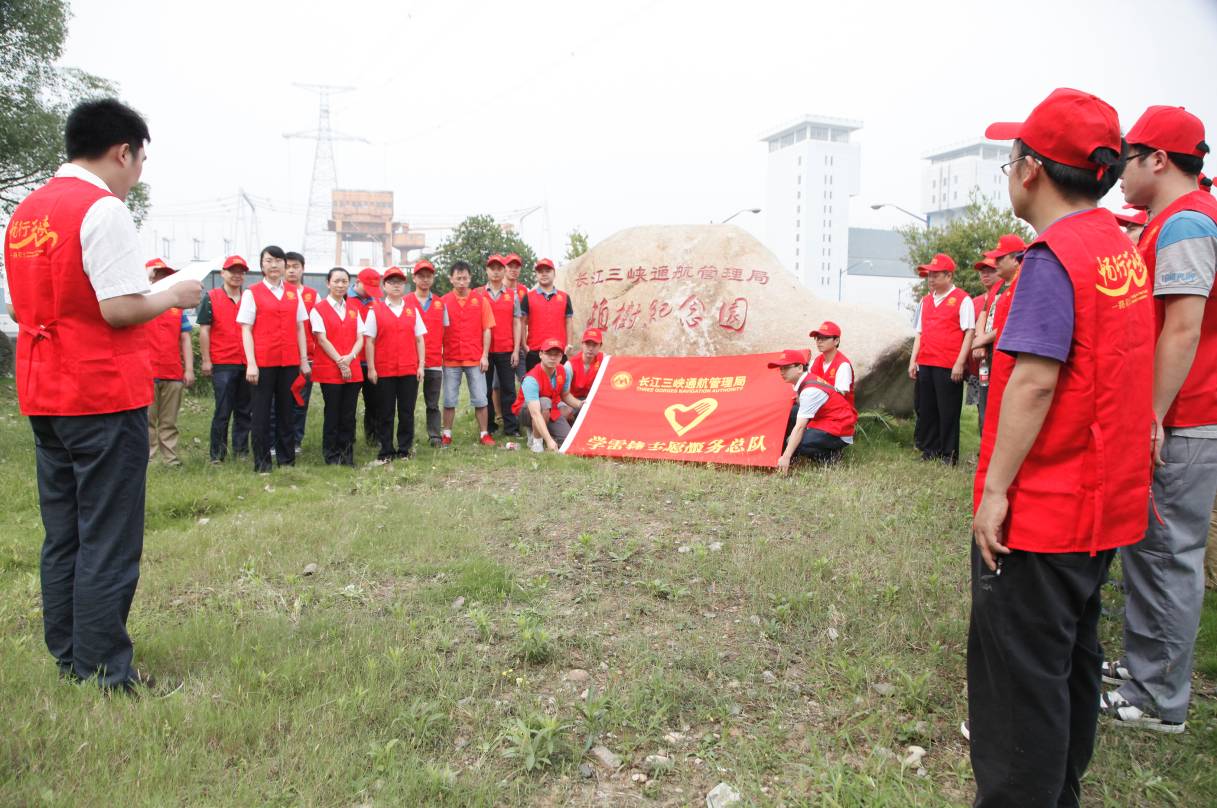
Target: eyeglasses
1137,156
1005,169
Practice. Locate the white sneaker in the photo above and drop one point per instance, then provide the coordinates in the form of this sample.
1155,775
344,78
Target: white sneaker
1115,673
965,729
535,444
1126,714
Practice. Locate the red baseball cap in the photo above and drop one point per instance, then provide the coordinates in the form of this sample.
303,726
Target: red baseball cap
593,335
393,272
1007,244
423,265
789,357
370,279
496,259
1137,219
233,261
550,344
158,264
1066,127
545,263
1171,129
985,263
512,258
940,263
826,329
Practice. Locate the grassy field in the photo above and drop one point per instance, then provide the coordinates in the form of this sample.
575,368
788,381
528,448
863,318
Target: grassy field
481,620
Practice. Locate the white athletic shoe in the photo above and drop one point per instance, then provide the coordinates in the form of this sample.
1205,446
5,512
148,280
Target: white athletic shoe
1126,714
535,444
1115,673
965,730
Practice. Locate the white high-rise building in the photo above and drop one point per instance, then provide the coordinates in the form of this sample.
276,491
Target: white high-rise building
955,172
813,171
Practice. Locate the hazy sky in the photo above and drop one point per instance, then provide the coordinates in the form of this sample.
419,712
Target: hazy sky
614,114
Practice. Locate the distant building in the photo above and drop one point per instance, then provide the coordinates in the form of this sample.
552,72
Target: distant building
813,171
955,172
879,273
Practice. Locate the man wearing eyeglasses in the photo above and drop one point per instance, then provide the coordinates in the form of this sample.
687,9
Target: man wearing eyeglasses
831,365
1164,573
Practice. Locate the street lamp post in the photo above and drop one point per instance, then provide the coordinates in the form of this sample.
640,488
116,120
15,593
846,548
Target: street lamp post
905,211
738,212
843,272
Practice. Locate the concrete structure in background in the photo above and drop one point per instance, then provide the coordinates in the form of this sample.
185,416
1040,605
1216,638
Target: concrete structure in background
812,172
368,216
956,171
878,273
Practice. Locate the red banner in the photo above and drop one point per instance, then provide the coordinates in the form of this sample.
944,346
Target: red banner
709,409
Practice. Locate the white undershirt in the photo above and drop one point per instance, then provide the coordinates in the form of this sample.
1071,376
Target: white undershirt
247,312
967,314
810,401
339,308
369,323
109,242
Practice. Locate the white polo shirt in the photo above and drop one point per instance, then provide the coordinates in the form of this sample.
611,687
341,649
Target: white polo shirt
109,242
247,312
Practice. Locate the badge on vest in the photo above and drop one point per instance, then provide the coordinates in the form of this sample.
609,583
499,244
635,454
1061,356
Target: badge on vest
291,295
350,315
952,301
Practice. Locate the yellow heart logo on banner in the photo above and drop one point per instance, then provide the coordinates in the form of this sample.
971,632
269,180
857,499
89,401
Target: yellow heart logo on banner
700,409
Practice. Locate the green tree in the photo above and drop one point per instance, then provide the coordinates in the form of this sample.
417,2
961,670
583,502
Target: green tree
576,244
965,239
473,241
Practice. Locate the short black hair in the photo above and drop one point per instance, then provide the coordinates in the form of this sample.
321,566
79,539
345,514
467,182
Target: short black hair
273,252
294,256
329,276
1082,182
94,126
1189,164
459,266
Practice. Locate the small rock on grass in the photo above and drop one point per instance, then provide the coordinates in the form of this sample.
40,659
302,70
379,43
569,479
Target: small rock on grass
577,675
638,777
914,756
769,678
715,546
458,604
722,796
884,688
586,771
310,569
657,763
606,757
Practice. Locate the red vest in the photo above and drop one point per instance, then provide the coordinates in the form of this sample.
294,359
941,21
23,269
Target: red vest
581,378
225,335
396,345
546,318
463,336
548,390
941,336
165,346
502,335
1084,484
70,361
1196,403
309,296
829,374
433,319
342,333
274,328
835,416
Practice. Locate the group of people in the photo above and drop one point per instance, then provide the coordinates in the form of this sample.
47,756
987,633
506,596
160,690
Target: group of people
1096,361
265,345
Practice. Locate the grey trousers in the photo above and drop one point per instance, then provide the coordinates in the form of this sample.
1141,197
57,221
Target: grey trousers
558,430
1164,580
433,383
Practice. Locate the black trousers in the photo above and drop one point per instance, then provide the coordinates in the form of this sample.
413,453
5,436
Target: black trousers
274,387
371,418
433,385
939,403
338,425
396,394
1033,675
234,401
91,473
815,443
501,369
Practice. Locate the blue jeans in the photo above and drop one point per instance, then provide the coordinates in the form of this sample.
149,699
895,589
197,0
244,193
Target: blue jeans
234,402
476,380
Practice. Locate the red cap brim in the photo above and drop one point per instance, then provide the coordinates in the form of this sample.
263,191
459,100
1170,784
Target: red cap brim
1003,131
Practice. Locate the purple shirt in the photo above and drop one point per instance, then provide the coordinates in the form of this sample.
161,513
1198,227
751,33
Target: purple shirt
1041,314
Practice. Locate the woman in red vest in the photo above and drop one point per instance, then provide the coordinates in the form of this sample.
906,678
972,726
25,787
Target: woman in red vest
80,296
338,327
1063,475
224,360
393,336
831,365
172,359
272,321
584,368
946,321
821,421
430,309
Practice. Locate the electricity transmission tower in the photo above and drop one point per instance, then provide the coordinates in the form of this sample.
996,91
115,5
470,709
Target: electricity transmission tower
317,241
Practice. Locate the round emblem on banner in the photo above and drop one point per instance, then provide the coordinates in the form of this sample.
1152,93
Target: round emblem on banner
622,380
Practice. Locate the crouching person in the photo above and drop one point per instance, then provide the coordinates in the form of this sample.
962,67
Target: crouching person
543,390
821,420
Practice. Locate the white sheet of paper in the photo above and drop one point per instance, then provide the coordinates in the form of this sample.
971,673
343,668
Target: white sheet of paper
194,271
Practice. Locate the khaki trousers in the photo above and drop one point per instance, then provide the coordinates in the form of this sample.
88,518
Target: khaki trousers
162,421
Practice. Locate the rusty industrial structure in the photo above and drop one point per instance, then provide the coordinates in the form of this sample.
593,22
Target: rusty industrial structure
368,216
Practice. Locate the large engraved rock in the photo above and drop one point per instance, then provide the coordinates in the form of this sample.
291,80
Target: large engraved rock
712,290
